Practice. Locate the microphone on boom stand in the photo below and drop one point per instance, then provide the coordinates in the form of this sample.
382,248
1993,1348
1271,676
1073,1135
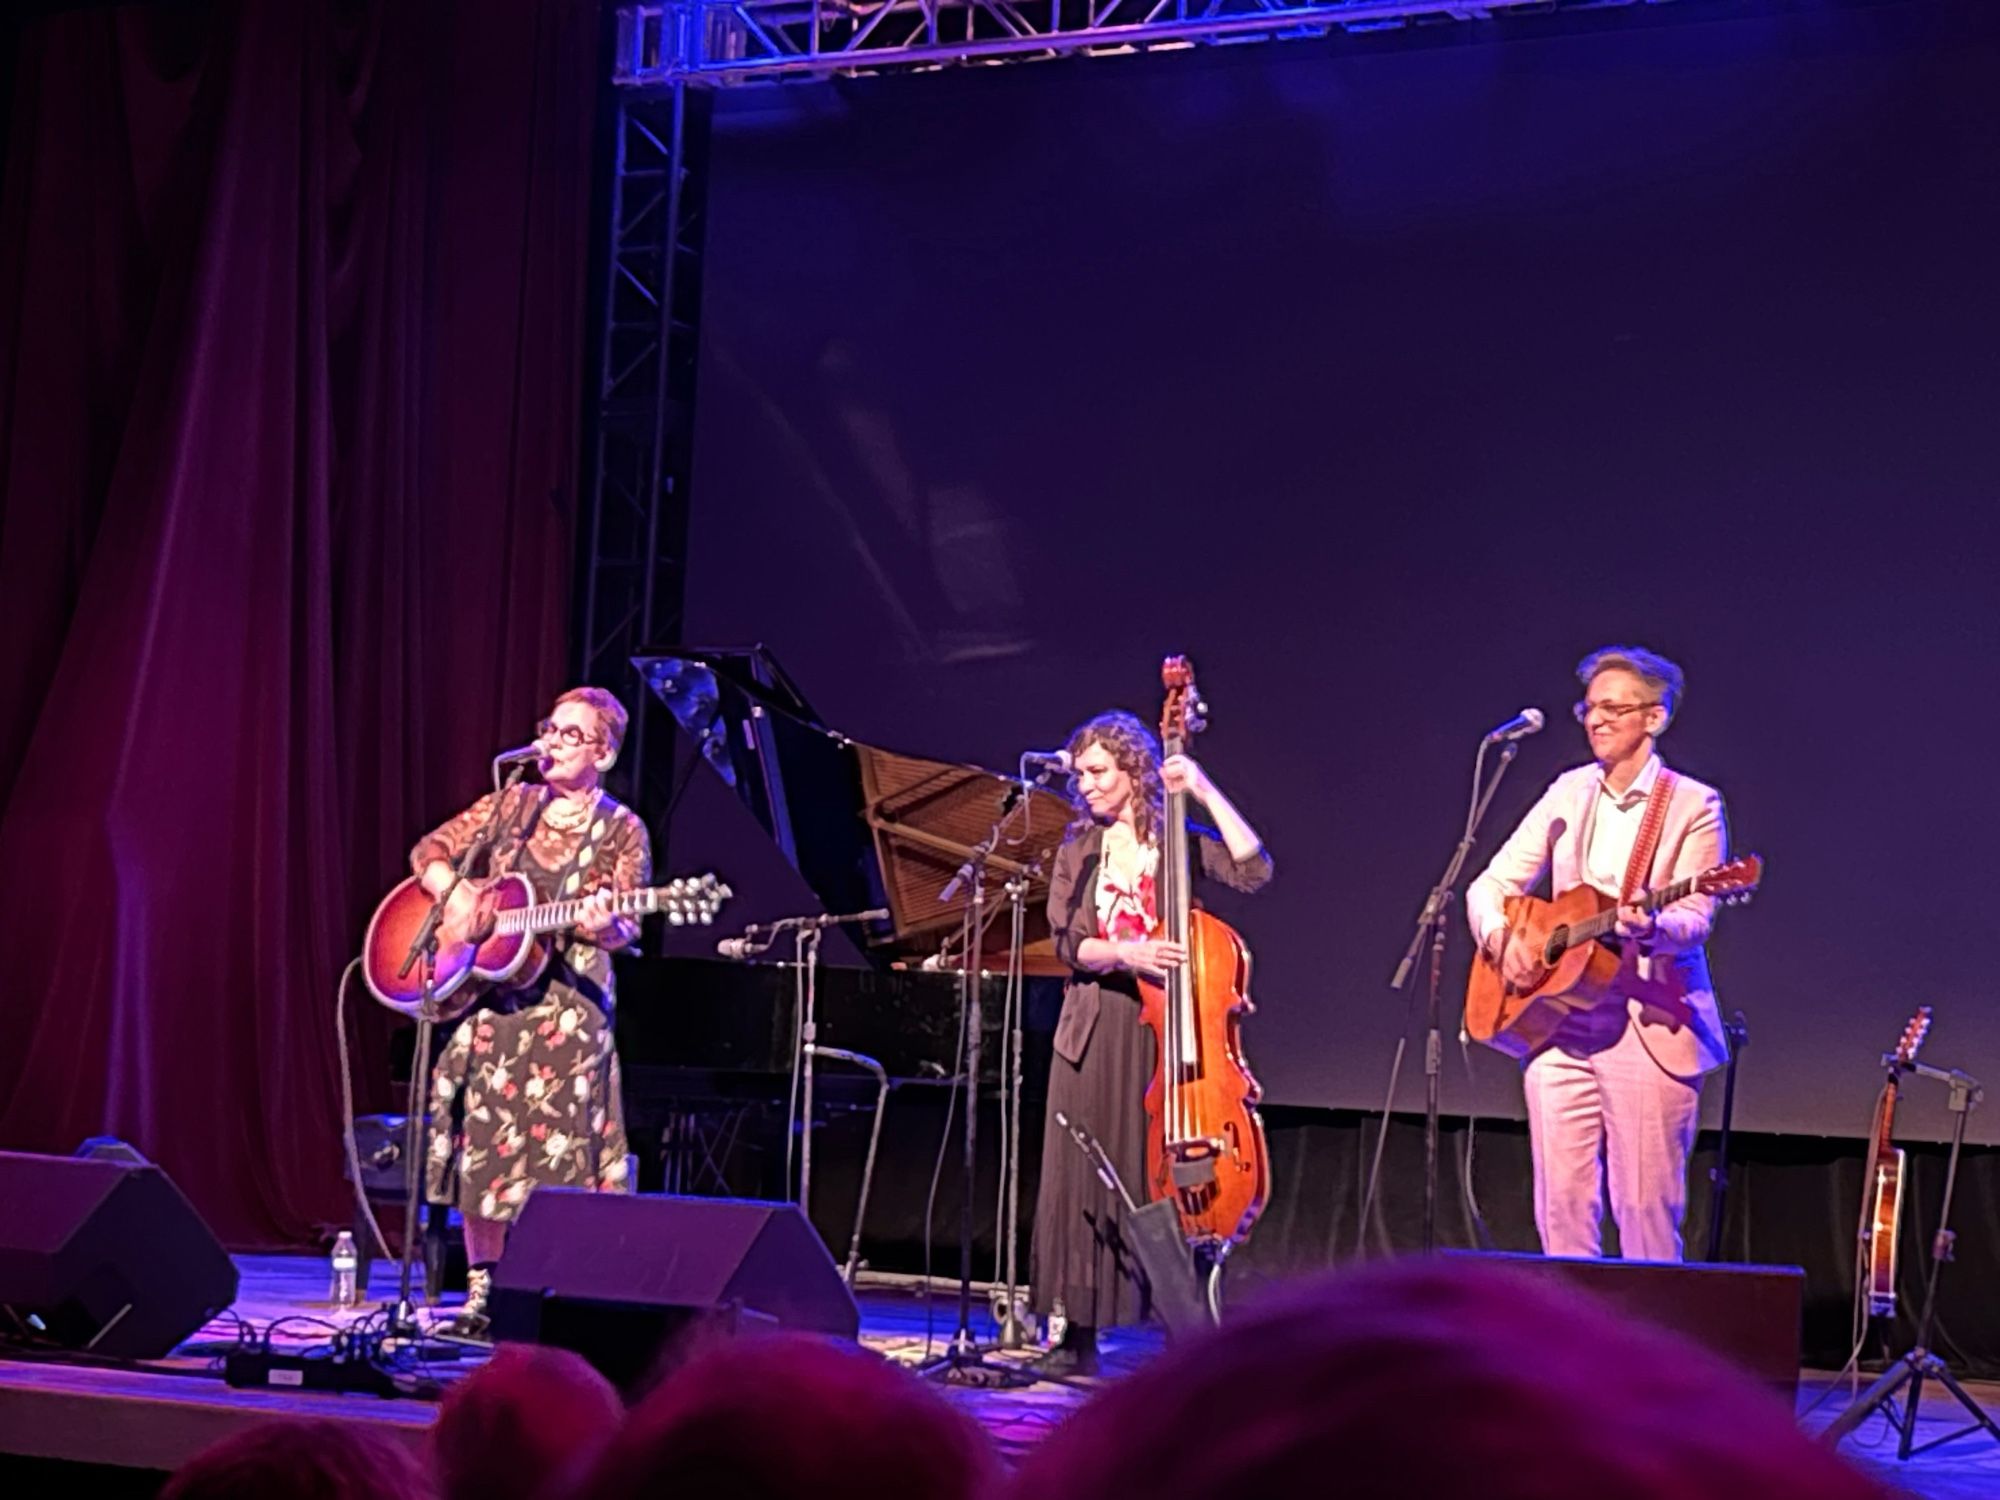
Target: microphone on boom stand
759,936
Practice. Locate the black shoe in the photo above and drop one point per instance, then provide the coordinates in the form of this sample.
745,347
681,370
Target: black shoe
1066,1360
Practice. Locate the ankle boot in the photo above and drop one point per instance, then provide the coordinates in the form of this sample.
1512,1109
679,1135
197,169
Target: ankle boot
471,1321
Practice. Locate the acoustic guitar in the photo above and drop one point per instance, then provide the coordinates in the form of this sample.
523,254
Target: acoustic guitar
1578,970
1884,1217
517,948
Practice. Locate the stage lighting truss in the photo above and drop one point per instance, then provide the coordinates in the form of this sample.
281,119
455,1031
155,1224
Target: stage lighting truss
721,43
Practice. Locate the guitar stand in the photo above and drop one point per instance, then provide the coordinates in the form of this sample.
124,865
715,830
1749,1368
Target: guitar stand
1185,1284
1920,1364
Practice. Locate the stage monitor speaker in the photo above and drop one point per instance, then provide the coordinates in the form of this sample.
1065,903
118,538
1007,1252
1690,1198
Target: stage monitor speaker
110,1148
615,1276
104,1256
1749,1315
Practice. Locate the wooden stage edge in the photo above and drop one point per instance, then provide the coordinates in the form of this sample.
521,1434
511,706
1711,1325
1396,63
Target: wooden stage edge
154,1418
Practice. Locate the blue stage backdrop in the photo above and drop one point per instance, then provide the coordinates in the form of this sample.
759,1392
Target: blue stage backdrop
1385,379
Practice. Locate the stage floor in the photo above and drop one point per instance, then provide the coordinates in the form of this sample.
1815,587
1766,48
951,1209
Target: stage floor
153,1418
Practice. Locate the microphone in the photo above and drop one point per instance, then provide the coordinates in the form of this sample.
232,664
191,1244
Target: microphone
1050,760
759,936
1528,721
519,752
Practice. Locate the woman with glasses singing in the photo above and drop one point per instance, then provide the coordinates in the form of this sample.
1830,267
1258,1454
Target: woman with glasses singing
1614,1093
526,1091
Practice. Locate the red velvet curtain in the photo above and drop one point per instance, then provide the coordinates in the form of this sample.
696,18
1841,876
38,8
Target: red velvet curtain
290,317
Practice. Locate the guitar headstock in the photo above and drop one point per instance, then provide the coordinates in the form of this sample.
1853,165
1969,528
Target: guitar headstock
1732,882
691,900
1183,714
1913,1036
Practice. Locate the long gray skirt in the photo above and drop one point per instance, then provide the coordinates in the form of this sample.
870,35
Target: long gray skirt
1079,1253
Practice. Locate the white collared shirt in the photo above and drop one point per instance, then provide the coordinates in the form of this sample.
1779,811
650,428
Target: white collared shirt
1614,827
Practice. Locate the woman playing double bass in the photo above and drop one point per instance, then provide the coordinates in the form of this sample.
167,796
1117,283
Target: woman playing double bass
1103,911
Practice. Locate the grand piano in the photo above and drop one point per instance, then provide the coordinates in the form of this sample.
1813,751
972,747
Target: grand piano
708,1047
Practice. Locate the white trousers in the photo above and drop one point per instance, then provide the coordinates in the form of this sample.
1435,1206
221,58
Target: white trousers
1610,1116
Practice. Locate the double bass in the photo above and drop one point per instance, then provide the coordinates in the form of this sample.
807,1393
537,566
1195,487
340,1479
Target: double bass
1204,1141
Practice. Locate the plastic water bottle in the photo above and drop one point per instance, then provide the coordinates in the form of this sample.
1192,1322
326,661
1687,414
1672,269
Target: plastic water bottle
345,1261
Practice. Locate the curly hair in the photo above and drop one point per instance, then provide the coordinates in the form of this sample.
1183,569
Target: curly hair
1136,750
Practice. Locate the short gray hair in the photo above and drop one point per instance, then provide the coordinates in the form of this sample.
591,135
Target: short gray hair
1663,679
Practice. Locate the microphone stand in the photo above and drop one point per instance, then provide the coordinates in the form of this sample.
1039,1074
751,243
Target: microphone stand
963,1361
1014,1329
806,934
1431,922
1737,1029
805,1001
402,1318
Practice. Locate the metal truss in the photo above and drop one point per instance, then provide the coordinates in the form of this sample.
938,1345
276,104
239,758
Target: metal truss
632,568
729,42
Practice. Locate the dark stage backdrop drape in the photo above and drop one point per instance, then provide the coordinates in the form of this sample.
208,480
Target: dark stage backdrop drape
290,302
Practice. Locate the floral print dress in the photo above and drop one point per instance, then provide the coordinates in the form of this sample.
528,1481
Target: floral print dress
527,1090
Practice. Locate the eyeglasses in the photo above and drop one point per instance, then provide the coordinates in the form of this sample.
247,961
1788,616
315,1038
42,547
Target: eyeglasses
565,734
1612,711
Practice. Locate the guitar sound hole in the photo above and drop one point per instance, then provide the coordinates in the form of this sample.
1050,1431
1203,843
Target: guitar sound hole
1555,948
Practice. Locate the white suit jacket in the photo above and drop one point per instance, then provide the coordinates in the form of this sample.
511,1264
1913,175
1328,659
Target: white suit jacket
1694,837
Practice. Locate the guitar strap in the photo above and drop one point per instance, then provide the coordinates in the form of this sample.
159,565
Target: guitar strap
1648,841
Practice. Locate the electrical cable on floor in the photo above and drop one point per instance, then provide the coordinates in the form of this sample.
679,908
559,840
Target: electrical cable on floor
348,1141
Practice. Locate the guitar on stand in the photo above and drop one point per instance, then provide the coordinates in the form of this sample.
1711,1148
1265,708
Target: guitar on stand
1899,1392
1881,1219
1578,970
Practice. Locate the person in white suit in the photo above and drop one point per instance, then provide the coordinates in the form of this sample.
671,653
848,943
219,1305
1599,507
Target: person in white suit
1614,1095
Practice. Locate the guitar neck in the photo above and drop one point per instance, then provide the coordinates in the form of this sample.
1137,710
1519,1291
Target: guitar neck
1172,881
1604,921
554,916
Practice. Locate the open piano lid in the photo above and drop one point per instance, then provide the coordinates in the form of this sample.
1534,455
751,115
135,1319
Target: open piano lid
865,827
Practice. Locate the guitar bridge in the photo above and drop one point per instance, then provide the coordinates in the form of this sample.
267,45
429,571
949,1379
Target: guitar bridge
1193,1162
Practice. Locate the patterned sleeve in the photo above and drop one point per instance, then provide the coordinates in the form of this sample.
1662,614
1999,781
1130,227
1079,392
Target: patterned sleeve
449,840
630,867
